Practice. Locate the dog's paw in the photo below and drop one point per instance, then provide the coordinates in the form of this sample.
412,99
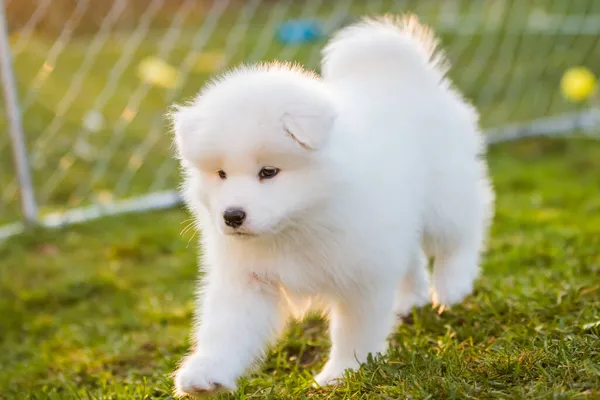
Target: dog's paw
333,373
450,293
201,377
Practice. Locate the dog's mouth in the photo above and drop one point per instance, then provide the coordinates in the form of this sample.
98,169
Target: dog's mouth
241,234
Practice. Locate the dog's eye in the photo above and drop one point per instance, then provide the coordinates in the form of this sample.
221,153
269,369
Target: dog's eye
222,174
268,172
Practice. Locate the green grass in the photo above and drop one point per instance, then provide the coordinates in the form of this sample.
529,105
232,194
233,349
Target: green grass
104,310
510,74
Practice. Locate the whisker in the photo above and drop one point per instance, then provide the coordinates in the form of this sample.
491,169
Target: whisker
187,228
188,243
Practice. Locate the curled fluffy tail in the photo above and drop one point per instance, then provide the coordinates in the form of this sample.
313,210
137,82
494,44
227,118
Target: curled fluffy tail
384,48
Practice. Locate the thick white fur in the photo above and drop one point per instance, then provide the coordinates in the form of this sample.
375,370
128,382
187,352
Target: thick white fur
381,168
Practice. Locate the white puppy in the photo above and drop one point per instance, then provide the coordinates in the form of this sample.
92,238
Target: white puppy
337,189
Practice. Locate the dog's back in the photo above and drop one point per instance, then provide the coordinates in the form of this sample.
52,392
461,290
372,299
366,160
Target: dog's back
415,139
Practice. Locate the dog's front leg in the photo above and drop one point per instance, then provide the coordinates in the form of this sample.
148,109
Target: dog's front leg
238,317
359,327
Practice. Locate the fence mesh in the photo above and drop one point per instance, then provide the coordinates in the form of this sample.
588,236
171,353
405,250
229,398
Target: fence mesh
94,78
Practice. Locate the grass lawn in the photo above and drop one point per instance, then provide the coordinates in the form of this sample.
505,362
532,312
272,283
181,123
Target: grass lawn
104,310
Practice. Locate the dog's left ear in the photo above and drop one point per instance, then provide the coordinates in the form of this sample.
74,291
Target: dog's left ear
183,122
310,131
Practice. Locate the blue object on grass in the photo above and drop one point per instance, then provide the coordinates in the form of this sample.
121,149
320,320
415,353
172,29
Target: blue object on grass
299,31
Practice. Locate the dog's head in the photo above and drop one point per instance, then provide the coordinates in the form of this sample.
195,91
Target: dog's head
251,144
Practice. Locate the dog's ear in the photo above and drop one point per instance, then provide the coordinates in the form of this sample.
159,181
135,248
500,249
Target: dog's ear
310,131
184,120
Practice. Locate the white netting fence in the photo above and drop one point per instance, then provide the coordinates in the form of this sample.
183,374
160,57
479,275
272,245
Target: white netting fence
93,80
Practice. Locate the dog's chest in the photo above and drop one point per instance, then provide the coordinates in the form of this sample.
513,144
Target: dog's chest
308,273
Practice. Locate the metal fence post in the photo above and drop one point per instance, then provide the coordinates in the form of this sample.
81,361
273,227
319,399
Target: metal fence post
15,124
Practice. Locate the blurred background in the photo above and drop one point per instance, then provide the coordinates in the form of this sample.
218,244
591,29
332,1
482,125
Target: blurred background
94,78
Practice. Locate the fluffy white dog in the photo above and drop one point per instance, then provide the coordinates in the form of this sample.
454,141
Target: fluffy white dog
335,188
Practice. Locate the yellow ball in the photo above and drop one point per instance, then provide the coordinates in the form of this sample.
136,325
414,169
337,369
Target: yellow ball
157,72
578,83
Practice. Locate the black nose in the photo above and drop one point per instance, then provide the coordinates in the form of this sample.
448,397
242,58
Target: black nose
234,217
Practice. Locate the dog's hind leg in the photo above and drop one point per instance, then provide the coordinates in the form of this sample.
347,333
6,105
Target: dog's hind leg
455,236
454,272
413,289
